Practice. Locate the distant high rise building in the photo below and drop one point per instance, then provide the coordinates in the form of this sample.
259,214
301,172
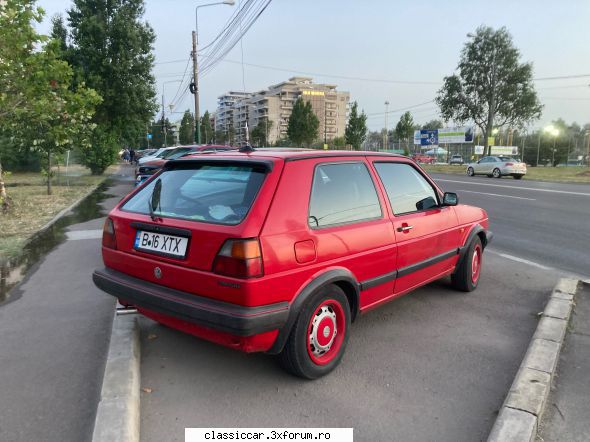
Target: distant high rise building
276,104
224,116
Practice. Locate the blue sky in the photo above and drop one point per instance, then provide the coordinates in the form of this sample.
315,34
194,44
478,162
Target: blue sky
382,40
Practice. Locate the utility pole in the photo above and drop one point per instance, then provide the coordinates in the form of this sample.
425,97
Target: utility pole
538,148
385,141
164,129
196,90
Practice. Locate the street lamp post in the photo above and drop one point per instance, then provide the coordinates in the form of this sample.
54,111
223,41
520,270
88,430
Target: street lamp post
195,85
555,132
164,128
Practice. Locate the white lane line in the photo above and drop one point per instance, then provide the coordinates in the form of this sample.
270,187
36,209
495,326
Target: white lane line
537,265
497,194
515,187
75,235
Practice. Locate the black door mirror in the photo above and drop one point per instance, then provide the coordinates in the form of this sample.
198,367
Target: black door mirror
450,199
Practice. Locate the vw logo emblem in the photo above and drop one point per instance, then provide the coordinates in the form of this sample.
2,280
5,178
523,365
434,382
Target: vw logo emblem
158,272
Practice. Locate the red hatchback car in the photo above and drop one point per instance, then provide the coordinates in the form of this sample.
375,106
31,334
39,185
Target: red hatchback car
278,251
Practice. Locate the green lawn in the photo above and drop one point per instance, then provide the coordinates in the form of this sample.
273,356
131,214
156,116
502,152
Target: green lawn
573,174
31,207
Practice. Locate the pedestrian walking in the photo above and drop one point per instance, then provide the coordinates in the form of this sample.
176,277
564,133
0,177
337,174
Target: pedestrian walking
132,155
126,155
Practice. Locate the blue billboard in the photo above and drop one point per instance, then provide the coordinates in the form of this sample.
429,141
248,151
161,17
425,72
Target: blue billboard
429,137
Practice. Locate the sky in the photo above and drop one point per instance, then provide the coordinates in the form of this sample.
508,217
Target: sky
373,43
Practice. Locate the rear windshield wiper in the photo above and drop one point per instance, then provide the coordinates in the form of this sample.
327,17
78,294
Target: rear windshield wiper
154,201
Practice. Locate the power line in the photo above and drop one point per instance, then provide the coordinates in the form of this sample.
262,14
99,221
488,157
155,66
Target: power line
563,77
401,109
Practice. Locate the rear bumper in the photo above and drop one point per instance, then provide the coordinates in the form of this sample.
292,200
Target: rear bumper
217,315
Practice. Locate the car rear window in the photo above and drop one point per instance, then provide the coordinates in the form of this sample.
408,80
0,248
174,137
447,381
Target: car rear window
220,194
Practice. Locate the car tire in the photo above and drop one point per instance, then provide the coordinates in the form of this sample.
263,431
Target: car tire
319,336
470,171
496,173
468,271
517,177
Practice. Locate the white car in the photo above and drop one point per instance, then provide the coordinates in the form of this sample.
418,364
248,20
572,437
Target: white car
157,154
497,167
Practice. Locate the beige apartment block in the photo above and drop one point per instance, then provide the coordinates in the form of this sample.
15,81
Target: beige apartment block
224,116
276,104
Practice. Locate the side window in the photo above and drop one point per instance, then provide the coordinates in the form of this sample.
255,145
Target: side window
342,193
407,190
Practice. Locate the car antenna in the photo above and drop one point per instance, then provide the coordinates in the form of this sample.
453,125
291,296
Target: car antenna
246,148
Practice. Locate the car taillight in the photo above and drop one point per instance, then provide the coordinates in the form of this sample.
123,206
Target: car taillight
510,164
240,258
108,234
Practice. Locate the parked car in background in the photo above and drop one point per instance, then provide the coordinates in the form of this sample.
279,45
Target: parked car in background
456,159
160,153
148,168
497,167
278,251
144,153
423,159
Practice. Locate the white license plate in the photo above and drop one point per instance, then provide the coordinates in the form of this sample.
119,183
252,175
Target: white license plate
161,243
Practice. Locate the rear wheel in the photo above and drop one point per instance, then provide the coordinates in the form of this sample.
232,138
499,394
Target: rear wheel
466,276
517,177
470,171
319,336
496,173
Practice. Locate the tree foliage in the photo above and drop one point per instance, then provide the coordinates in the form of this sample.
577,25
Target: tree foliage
111,51
303,124
491,88
404,130
187,128
432,124
207,132
356,129
260,132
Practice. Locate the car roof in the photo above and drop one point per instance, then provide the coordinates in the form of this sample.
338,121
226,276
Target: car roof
291,154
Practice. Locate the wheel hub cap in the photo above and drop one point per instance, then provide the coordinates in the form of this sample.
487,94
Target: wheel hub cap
323,331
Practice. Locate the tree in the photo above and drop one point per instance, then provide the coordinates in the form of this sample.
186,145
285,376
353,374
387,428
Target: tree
303,124
432,124
206,128
187,128
404,130
356,129
42,109
261,131
492,88
339,142
111,51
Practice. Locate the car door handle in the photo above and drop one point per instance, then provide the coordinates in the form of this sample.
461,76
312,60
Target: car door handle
405,228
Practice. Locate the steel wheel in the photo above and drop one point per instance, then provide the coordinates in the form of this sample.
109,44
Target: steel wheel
476,263
325,332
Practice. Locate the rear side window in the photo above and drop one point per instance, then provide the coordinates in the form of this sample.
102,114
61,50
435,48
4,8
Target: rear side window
221,194
342,193
407,190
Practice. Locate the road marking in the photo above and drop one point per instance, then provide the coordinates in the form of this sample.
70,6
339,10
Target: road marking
75,235
537,265
497,194
515,188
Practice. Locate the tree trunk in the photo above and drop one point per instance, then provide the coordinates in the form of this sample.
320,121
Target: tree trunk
4,200
49,174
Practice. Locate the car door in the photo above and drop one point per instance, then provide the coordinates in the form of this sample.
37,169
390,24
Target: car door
480,166
427,235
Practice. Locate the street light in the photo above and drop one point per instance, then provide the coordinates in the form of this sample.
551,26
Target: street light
164,128
195,87
552,130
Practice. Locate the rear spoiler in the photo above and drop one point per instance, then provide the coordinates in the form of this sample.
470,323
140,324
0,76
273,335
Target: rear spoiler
189,163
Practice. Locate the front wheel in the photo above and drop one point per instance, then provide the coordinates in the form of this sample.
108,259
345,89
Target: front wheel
468,271
319,336
470,171
496,173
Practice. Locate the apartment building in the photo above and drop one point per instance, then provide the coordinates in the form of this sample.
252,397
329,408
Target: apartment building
275,104
224,116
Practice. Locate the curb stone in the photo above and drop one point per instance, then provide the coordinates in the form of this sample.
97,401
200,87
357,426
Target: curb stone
117,416
523,407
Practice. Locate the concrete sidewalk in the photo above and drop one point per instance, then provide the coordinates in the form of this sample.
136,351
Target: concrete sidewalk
567,415
54,338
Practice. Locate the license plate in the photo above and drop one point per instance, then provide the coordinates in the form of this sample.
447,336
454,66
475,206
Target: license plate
161,243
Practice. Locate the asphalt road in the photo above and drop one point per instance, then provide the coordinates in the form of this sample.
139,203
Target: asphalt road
547,223
433,365
54,337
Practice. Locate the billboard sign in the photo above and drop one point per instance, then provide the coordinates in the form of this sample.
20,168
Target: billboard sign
429,137
504,150
456,135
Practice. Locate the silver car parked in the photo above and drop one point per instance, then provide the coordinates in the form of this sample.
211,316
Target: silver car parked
497,167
